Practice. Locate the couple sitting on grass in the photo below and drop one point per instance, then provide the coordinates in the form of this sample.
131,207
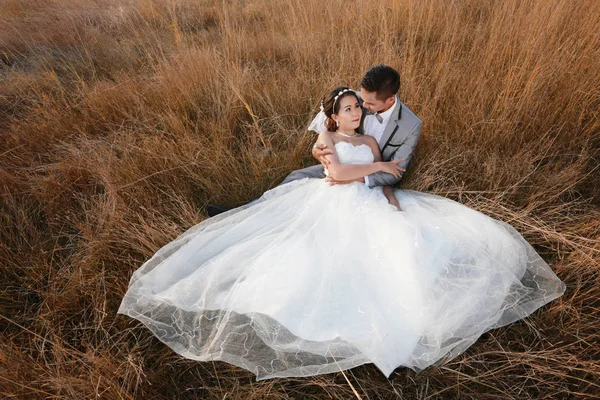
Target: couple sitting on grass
335,268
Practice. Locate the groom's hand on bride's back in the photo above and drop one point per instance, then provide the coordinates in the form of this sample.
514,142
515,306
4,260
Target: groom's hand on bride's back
319,151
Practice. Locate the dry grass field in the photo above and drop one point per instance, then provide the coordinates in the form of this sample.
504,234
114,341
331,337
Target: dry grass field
121,119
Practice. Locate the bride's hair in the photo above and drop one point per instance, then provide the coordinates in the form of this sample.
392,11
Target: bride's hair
331,104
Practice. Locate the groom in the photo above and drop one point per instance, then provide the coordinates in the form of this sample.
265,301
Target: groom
395,127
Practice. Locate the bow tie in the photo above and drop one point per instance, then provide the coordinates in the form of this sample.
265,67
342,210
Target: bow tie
379,117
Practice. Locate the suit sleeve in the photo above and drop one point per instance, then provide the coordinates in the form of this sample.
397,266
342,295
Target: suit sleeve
316,171
404,151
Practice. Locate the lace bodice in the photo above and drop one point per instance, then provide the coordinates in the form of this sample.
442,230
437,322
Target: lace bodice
350,154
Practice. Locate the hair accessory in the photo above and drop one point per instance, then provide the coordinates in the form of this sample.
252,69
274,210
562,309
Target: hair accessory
338,95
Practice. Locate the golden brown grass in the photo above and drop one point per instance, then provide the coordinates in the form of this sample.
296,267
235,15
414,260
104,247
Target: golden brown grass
120,120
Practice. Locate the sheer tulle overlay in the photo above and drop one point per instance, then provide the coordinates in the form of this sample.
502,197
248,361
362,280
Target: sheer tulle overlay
312,279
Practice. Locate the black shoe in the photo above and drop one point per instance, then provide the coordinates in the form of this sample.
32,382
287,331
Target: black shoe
215,209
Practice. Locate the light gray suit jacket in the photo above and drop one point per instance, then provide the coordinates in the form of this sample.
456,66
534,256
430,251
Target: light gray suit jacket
399,140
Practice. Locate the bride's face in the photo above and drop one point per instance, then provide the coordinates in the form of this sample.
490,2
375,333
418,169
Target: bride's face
348,116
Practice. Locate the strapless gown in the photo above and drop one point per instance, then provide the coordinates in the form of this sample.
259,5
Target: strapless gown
312,279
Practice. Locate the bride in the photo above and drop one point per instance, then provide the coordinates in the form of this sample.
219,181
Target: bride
312,278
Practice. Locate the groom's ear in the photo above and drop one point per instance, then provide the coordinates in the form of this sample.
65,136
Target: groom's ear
389,101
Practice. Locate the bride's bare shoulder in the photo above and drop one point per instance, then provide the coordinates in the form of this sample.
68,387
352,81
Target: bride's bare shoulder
326,137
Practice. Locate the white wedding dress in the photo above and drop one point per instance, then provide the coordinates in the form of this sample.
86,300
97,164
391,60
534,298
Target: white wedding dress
313,278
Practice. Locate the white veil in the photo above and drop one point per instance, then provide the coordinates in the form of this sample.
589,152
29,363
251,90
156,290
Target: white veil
318,122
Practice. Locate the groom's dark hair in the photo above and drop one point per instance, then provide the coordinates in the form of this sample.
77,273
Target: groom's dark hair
382,79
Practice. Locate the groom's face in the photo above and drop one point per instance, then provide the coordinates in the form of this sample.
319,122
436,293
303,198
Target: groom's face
372,103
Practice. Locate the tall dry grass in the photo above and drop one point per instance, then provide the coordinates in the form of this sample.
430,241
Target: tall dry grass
120,120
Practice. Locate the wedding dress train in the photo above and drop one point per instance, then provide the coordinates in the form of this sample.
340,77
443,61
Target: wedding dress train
312,279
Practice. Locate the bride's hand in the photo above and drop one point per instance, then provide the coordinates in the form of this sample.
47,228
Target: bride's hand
391,167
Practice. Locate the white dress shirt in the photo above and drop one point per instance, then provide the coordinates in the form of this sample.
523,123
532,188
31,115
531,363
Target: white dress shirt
374,128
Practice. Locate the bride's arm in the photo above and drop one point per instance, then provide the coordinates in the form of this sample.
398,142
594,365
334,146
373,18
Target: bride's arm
348,172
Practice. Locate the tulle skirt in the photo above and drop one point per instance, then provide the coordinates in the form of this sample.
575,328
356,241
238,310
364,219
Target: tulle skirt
313,279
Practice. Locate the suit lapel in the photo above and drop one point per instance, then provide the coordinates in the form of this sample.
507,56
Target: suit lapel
391,126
